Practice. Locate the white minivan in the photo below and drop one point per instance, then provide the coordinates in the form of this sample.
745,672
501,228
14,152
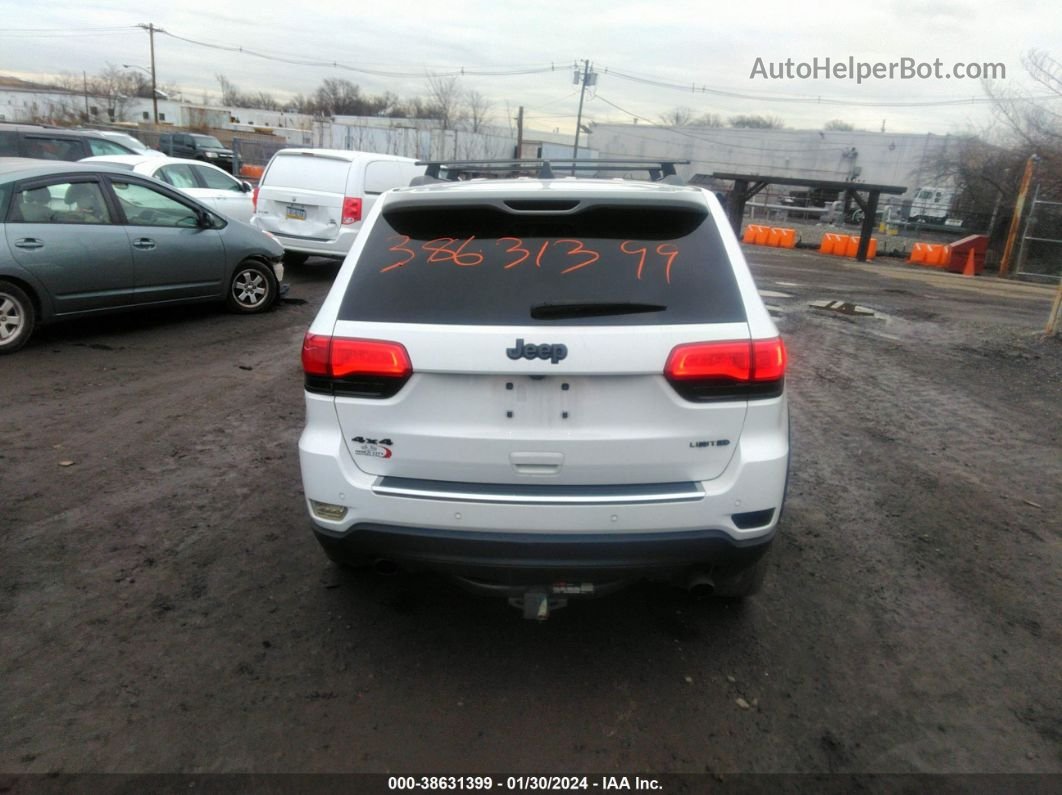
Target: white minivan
313,200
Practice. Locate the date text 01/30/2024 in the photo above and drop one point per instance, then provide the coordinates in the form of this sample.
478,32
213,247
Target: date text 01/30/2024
521,783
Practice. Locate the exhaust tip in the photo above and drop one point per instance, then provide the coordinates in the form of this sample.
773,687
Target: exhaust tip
700,586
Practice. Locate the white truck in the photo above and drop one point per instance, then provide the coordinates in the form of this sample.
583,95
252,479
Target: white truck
932,205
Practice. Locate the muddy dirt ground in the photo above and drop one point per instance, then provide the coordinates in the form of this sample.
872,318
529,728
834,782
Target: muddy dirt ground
164,607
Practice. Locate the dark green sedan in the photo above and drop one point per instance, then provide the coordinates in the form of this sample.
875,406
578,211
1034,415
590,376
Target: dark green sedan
83,239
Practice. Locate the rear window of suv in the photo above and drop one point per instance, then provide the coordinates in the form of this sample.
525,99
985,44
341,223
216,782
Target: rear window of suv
637,264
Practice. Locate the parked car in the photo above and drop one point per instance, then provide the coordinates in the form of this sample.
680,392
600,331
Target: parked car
79,239
55,143
205,182
547,388
132,142
196,146
314,200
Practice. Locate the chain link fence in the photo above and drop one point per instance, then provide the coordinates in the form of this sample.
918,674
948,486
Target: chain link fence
249,157
1040,255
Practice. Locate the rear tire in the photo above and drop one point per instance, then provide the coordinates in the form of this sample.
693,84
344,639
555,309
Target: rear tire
17,317
252,288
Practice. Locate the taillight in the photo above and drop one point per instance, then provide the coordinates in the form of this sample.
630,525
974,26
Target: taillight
254,197
731,370
351,210
354,367
769,358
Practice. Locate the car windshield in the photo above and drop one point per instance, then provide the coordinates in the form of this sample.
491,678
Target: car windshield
208,141
482,265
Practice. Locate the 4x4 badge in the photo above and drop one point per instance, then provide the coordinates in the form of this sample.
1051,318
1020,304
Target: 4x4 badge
555,352
372,448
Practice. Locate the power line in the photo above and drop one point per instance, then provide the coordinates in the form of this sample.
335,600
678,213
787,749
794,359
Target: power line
58,33
517,71
806,100
453,71
621,110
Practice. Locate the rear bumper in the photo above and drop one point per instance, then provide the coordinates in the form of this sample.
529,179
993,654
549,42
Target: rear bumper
541,533
536,558
338,248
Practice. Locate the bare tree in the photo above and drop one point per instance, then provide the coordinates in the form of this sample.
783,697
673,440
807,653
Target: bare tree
229,91
683,117
113,88
1044,69
338,97
985,177
707,120
838,125
479,108
757,122
70,107
986,168
1027,125
445,99
233,97
117,87
677,117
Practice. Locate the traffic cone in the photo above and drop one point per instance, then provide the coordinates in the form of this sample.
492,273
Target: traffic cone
969,269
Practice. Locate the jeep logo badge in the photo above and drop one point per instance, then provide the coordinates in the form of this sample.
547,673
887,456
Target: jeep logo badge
520,350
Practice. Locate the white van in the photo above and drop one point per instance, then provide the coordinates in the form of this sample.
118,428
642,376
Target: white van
313,200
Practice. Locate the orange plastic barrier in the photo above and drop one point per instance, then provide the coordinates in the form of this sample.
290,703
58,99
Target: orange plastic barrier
251,172
778,236
938,255
933,255
846,245
787,238
829,243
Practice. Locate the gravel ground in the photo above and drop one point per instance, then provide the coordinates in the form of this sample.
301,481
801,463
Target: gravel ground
165,609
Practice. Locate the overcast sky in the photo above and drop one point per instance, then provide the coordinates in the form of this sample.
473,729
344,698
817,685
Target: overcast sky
674,49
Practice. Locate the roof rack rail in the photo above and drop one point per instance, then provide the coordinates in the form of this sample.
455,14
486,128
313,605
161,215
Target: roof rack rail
456,169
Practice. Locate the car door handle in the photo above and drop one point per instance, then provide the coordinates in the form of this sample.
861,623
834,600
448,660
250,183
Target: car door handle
28,242
144,243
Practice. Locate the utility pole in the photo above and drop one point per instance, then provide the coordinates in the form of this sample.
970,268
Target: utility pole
1056,313
589,79
1015,221
84,78
150,28
519,133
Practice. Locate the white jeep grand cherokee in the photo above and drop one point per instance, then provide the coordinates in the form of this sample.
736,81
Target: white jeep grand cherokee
547,387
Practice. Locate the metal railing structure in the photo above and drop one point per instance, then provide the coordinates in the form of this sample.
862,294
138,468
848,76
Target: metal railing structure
1040,252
